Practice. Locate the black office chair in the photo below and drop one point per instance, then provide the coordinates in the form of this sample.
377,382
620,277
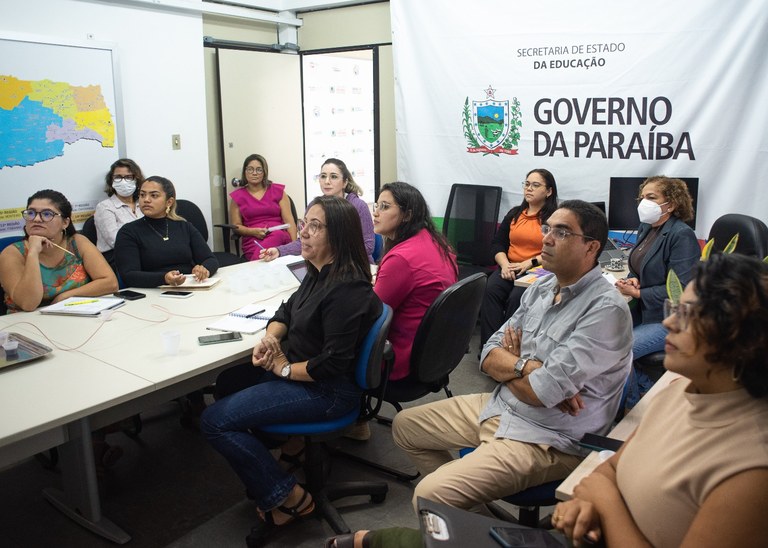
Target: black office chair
470,222
89,229
753,234
368,375
439,345
230,237
192,213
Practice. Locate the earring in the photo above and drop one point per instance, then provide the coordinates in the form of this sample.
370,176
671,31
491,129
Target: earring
737,372
167,210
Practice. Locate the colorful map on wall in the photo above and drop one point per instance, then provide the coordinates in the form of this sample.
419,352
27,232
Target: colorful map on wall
39,117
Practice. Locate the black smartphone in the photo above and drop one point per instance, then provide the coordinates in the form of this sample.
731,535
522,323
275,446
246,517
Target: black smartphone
219,338
600,443
509,537
176,294
129,295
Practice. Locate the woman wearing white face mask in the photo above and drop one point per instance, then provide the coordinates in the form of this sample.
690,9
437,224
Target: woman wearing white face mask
664,243
122,186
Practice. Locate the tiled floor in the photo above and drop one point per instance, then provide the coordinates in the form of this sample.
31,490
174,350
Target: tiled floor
171,489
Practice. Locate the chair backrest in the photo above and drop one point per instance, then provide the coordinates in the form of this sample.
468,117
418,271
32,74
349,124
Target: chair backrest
378,247
192,213
446,328
753,234
293,211
5,242
89,229
368,367
470,222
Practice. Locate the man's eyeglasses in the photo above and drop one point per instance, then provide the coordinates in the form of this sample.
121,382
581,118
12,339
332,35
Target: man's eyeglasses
125,178
312,226
46,215
561,233
383,206
254,170
683,313
534,186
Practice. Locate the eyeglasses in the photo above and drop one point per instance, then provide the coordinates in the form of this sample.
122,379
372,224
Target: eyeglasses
332,177
254,170
534,186
383,206
126,178
46,215
561,233
312,226
683,313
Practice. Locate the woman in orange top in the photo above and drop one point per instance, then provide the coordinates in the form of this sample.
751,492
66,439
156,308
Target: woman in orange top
516,248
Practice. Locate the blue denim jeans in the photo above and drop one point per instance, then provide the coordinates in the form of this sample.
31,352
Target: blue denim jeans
228,422
649,338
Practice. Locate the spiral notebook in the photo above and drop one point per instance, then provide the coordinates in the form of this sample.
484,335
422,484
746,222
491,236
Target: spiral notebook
249,319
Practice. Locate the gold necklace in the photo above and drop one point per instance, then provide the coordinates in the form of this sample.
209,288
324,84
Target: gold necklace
165,238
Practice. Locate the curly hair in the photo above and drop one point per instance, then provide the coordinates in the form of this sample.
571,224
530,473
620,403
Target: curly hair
676,192
732,316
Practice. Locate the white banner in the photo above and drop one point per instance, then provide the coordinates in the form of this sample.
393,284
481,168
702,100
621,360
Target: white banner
589,90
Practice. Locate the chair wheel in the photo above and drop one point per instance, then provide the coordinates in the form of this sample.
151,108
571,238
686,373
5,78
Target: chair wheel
378,498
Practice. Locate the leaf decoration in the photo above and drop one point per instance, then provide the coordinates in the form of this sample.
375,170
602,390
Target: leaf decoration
732,244
707,250
674,287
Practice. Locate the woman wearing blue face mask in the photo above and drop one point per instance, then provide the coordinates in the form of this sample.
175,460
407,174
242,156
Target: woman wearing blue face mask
664,243
122,186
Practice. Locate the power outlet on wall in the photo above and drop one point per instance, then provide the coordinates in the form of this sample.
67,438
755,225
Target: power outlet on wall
176,141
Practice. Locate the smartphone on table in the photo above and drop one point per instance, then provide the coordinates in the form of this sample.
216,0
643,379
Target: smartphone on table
220,338
600,443
129,295
509,537
176,294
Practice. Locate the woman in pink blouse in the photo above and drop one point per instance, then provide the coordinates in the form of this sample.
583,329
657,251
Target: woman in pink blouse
259,206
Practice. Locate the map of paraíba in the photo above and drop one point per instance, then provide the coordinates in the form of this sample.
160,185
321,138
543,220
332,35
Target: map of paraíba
38,117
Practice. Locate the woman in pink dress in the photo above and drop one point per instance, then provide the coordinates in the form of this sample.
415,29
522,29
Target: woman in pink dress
259,206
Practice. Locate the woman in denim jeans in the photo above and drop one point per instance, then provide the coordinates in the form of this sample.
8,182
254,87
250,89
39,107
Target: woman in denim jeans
303,368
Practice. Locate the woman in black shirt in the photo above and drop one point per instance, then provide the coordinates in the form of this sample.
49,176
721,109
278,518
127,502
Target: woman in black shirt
303,368
161,247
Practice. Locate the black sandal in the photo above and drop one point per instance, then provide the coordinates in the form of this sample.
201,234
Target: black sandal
264,528
347,541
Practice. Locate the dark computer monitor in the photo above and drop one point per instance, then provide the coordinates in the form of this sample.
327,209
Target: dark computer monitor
622,201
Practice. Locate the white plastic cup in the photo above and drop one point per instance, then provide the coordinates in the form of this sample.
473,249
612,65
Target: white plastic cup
239,284
171,342
10,347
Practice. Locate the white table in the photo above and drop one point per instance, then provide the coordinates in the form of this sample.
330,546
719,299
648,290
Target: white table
621,431
118,371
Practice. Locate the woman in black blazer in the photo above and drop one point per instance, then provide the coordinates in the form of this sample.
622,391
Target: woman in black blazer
664,243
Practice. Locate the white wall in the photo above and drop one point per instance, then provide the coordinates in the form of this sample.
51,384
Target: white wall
161,74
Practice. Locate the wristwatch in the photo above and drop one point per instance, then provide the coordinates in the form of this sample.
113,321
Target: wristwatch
285,372
534,262
519,366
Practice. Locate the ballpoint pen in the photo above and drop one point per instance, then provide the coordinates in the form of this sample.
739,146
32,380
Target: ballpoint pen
258,244
256,313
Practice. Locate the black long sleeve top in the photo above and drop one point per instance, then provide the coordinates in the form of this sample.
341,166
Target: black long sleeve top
143,256
327,322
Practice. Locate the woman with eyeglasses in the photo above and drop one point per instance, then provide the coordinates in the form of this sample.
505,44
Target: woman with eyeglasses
161,248
664,243
695,472
52,262
335,180
122,185
517,248
257,207
303,368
